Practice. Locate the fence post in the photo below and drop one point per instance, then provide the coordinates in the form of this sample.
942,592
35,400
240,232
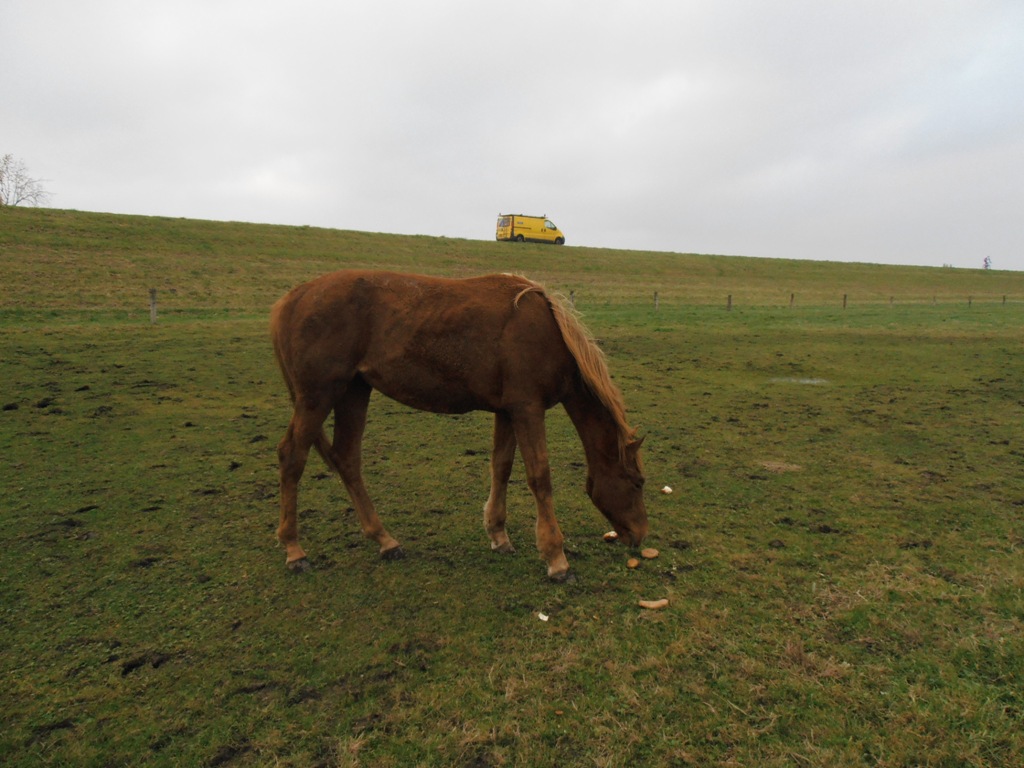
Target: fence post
152,305
844,301
728,304
655,299
572,298
792,298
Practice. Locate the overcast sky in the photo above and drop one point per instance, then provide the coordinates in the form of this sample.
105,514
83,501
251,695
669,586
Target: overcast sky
887,131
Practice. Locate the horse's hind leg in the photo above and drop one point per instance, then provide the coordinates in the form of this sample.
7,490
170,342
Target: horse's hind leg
502,456
292,452
349,425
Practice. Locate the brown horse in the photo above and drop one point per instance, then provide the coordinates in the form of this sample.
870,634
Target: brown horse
497,343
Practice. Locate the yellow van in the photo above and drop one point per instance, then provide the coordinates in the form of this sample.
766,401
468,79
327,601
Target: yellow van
536,229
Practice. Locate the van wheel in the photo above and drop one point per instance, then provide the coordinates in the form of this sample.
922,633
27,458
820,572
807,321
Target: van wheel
519,238
559,241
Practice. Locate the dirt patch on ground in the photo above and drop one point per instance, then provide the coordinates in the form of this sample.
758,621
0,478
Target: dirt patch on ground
778,467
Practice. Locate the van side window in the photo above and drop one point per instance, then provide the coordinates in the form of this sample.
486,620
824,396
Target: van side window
549,225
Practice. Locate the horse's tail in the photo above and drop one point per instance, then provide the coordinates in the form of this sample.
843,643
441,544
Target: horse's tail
278,338
589,359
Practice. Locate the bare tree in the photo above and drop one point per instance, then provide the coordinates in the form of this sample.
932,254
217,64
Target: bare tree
17,187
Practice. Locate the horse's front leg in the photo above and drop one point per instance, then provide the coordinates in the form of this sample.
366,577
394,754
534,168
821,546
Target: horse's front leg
502,455
530,434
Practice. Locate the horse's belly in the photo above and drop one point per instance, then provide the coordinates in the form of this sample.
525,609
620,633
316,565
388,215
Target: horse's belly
429,390
438,404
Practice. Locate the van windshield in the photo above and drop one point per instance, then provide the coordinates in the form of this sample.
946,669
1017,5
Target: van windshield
550,225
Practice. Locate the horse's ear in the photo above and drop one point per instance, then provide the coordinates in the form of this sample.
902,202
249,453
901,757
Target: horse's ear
634,445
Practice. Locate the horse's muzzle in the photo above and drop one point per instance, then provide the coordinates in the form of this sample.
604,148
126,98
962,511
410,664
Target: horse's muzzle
632,536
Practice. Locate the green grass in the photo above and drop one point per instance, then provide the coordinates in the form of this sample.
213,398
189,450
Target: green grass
841,549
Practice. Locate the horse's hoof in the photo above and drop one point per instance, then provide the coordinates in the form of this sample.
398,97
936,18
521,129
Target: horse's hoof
299,566
564,577
505,549
395,553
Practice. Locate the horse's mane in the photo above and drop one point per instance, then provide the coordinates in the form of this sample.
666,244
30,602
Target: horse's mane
590,359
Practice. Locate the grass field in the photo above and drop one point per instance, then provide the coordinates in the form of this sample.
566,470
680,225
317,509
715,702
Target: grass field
841,552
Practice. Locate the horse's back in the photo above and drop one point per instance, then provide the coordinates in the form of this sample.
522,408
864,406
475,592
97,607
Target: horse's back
439,344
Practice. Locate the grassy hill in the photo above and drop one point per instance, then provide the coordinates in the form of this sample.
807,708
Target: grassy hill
840,552
70,260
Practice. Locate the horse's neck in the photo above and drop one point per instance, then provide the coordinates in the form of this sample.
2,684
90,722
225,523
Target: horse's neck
596,427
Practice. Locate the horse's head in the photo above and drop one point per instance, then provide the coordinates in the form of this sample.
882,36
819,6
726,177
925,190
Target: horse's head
618,492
